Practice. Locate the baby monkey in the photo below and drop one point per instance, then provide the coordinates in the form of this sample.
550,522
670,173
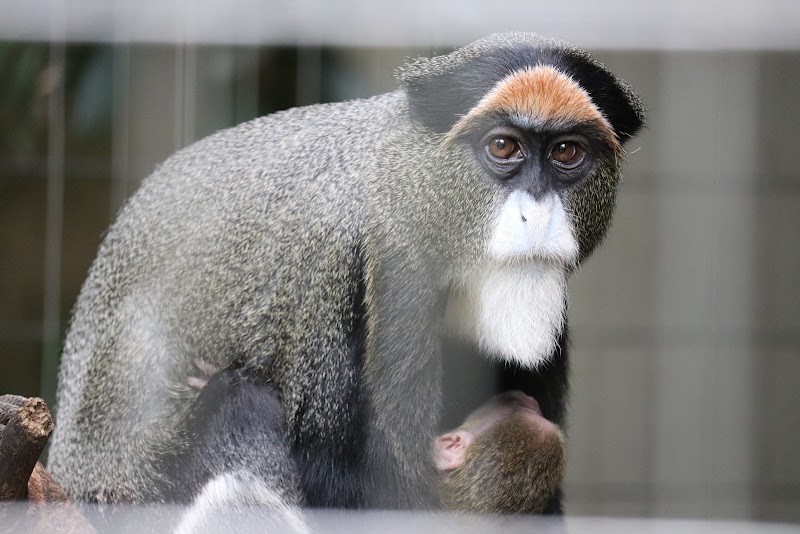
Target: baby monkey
505,458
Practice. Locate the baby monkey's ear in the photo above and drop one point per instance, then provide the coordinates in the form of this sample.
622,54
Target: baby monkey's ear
451,449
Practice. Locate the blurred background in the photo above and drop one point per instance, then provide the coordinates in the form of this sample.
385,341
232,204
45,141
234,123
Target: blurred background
685,324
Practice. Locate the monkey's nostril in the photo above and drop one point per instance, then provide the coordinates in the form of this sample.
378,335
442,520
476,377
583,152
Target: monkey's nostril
524,219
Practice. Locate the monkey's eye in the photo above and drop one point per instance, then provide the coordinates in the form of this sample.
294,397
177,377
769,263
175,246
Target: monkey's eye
567,154
504,147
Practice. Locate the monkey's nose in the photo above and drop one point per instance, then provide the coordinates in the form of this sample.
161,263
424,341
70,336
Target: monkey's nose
536,211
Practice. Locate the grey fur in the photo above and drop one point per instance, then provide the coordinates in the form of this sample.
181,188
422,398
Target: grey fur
251,245
216,256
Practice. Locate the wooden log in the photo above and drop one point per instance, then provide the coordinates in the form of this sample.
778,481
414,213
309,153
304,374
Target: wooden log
22,440
50,509
25,426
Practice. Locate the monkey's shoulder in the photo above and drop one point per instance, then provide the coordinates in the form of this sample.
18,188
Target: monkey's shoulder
284,144
296,176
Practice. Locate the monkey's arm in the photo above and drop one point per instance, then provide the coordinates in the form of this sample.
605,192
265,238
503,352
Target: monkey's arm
403,379
235,457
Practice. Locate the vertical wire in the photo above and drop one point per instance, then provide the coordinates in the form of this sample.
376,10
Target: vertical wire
120,127
177,125
54,214
185,92
189,96
308,85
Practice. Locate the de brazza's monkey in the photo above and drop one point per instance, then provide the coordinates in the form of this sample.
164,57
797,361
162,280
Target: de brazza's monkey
329,250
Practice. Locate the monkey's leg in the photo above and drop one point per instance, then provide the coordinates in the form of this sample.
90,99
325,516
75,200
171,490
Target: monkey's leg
236,458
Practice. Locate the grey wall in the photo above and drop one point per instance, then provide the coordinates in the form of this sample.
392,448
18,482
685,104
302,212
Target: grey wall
686,325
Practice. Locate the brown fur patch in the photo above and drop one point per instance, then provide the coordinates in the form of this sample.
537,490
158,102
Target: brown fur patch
543,94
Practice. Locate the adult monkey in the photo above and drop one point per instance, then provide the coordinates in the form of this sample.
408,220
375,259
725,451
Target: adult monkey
327,250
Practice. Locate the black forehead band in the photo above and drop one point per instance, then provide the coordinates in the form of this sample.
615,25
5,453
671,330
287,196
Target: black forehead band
439,100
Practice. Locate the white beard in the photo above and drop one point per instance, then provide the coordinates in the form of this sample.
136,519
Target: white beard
513,306
512,312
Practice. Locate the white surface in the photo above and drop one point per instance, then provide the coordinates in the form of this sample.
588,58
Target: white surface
161,518
680,24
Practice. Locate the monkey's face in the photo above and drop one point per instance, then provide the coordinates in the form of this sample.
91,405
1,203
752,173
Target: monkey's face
546,155
540,139
545,124
522,186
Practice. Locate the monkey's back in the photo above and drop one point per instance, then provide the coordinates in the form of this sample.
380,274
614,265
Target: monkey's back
218,257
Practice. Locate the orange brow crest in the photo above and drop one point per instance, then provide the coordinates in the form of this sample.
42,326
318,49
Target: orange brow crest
540,93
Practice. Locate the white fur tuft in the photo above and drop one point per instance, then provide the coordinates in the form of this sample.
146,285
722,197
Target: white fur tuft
513,307
529,228
514,312
239,490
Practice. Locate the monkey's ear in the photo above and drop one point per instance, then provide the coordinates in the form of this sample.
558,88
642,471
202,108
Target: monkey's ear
436,98
451,449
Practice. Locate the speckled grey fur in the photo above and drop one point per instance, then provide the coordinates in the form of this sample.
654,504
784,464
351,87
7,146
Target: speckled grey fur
237,246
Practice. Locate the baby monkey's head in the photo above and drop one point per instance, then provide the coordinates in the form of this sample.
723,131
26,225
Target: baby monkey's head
504,459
